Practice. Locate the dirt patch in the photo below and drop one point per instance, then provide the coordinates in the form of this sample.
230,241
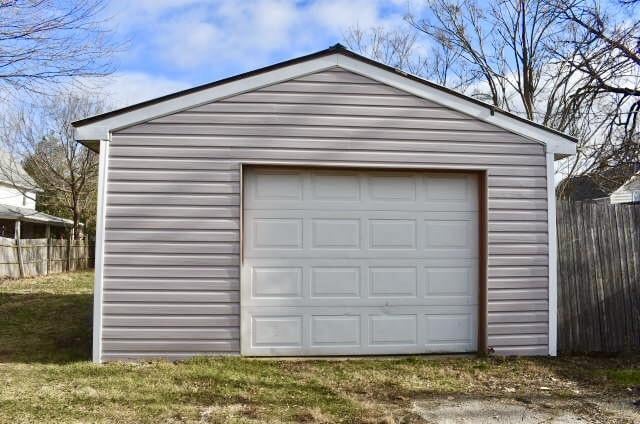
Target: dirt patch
525,411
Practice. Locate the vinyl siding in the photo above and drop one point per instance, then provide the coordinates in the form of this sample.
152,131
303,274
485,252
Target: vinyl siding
171,274
620,196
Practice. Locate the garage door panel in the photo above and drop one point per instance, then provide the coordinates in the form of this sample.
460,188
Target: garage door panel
274,186
392,188
360,282
335,282
335,233
360,233
360,190
433,253
334,186
319,213
280,281
390,233
372,302
336,330
432,206
358,262
397,330
339,331
362,262
450,281
393,282
341,310
445,329
276,233
276,330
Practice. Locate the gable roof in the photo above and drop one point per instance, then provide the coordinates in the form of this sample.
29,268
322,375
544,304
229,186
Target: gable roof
632,184
90,130
629,192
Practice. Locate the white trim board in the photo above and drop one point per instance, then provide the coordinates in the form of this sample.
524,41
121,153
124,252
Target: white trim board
99,253
555,143
553,256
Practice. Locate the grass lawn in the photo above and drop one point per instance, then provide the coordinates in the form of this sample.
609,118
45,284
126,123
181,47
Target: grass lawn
46,376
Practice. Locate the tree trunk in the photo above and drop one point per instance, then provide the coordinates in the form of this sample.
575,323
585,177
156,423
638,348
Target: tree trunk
76,224
18,237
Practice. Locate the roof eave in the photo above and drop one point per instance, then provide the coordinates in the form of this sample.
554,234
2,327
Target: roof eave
91,144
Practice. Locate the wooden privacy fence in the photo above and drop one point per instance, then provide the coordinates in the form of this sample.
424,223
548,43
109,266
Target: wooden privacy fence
598,276
33,257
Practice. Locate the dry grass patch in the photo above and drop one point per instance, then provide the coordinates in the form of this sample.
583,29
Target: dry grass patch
47,377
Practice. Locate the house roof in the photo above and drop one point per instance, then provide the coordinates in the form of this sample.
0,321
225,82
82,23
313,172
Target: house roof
632,184
29,215
95,128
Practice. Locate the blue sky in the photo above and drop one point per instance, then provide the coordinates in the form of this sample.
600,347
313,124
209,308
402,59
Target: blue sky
175,44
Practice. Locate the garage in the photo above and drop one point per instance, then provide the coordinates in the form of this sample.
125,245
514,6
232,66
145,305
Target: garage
325,205
359,262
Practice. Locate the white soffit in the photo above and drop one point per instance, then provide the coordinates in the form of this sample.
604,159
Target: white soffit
100,130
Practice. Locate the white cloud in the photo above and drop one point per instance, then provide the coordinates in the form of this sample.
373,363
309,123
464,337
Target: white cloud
338,15
171,45
191,34
127,88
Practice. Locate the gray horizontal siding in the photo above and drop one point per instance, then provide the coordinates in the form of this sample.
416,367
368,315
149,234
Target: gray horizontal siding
170,308
142,283
174,248
173,205
206,147
202,333
294,120
168,321
331,110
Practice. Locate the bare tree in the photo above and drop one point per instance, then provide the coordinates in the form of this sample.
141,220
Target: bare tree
396,48
65,170
503,46
51,41
604,47
496,52
403,49
538,59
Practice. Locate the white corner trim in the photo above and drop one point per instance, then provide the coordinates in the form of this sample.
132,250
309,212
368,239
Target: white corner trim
103,169
553,257
555,143
101,129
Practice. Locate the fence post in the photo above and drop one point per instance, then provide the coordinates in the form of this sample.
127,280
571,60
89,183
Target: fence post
48,257
69,252
19,248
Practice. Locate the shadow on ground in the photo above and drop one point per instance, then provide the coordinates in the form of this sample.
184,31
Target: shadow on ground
45,327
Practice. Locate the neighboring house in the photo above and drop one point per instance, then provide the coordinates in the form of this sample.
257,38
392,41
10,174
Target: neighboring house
21,197
596,185
17,188
629,192
18,194
326,205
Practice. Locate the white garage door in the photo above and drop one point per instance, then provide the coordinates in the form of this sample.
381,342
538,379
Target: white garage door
340,262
